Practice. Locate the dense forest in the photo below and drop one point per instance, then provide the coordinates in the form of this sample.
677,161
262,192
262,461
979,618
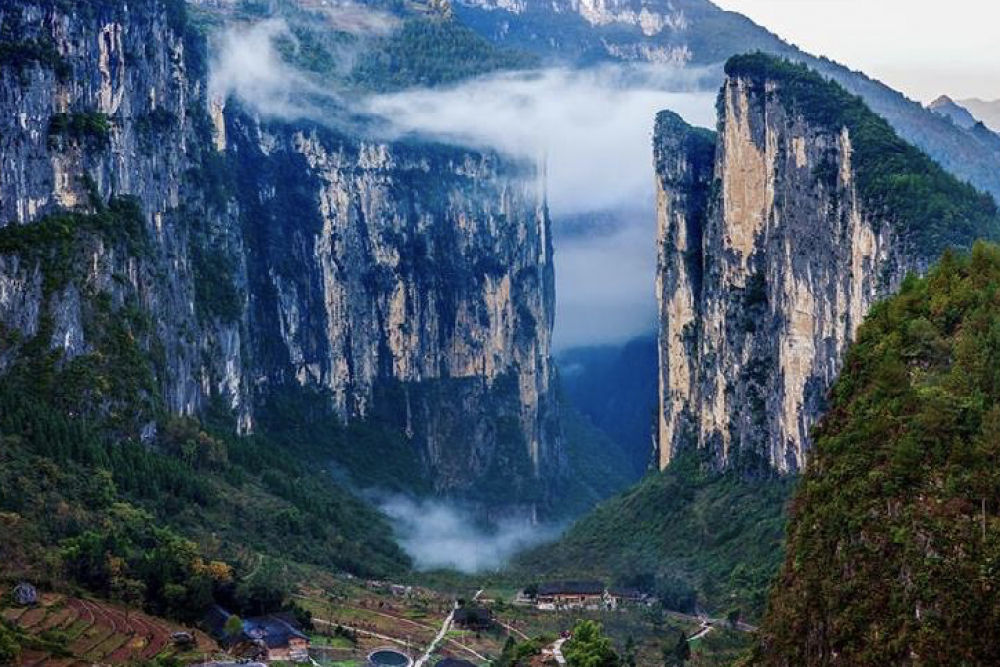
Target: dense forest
894,537
101,488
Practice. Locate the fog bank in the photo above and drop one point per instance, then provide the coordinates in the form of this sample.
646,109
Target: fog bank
591,130
440,534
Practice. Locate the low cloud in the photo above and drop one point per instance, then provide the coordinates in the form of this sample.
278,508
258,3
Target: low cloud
592,128
438,534
246,64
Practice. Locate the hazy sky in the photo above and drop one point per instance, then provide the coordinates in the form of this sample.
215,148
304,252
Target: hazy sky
922,47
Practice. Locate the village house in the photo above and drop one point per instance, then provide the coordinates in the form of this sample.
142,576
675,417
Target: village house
620,597
275,637
570,595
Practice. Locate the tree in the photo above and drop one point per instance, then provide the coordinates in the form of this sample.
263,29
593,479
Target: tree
654,615
233,626
507,654
678,654
630,651
682,649
10,647
589,647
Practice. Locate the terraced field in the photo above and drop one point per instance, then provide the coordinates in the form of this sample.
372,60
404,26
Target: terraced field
99,632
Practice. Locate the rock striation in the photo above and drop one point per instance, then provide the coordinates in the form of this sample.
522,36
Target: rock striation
408,282
775,239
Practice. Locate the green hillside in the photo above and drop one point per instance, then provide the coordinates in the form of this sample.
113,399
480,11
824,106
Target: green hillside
693,537
100,487
894,540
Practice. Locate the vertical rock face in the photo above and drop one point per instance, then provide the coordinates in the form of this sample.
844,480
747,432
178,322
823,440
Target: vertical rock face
768,263
412,282
409,282
684,160
103,103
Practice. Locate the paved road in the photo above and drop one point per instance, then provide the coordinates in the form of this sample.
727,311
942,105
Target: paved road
557,650
705,629
437,640
422,660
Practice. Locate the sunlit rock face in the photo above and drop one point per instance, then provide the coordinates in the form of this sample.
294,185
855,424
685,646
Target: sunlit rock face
408,282
768,263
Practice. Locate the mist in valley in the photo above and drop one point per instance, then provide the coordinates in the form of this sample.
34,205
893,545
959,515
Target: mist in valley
589,131
439,534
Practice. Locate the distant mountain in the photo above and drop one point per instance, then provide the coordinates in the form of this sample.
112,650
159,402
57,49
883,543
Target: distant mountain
694,33
626,415
988,112
947,107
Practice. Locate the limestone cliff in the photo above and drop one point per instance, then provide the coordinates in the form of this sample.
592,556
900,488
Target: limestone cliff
412,282
409,282
770,259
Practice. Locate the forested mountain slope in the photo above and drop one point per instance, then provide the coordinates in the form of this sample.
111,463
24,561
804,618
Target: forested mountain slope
210,318
894,537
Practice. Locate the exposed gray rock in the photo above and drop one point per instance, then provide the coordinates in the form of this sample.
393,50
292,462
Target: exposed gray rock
279,253
764,276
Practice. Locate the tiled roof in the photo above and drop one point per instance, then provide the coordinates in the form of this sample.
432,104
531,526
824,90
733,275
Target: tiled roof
274,630
571,588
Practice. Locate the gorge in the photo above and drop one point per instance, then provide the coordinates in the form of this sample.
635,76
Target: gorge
409,280
279,335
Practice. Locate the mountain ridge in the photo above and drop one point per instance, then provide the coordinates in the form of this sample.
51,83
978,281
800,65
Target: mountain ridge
771,253
698,33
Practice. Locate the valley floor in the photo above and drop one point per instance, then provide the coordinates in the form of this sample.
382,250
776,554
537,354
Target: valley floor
412,621
351,618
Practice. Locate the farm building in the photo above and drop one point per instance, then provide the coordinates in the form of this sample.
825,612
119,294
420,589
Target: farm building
618,597
271,637
570,595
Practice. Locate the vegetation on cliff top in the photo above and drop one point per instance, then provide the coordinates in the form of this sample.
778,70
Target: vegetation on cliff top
896,181
894,538
429,52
